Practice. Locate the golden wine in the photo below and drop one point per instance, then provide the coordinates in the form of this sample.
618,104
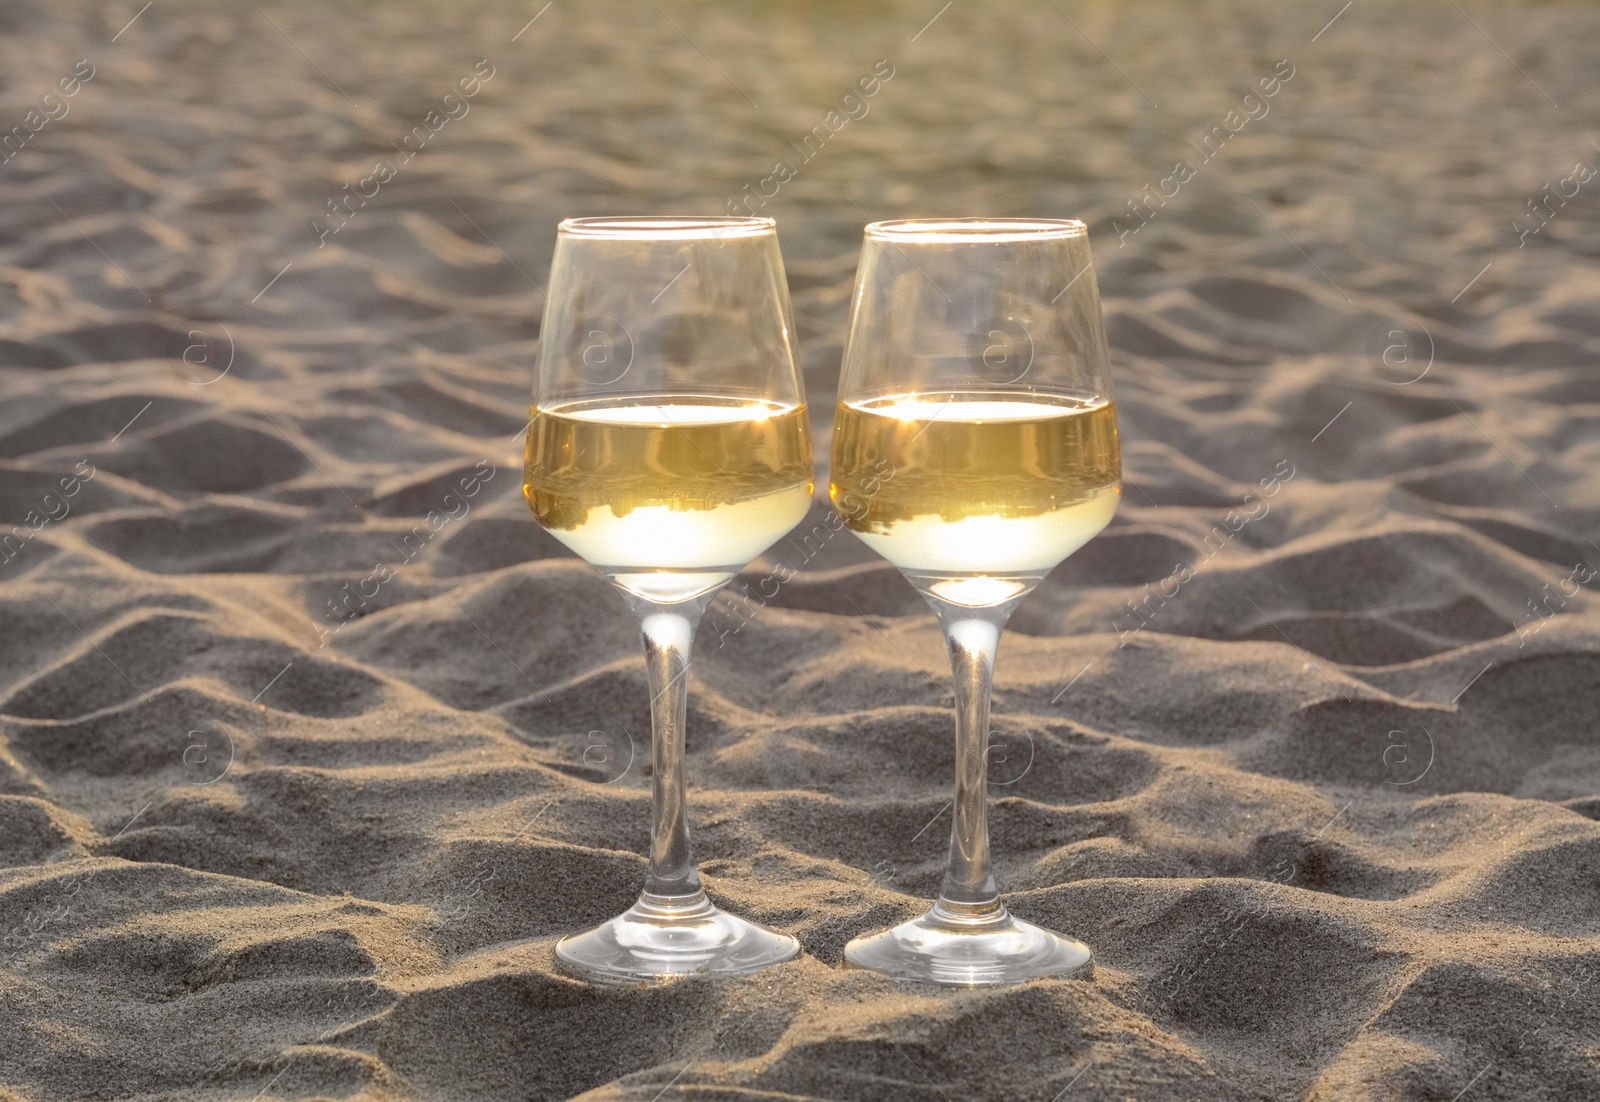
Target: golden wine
976,483
677,482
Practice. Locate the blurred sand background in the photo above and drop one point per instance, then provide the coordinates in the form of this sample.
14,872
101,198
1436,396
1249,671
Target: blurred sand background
305,764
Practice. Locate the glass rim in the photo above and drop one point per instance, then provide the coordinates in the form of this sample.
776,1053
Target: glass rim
666,227
976,230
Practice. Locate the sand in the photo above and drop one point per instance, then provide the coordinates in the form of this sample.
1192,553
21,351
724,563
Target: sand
312,745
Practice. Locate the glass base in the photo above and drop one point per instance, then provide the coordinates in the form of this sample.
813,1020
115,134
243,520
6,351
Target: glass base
990,948
663,937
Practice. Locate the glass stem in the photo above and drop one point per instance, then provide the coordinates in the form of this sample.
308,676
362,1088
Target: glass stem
973,636
668,634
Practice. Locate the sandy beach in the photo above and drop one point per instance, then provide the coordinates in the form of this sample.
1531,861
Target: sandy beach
312,744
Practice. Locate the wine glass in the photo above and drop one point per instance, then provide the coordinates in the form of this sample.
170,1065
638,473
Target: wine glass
668,446
974,447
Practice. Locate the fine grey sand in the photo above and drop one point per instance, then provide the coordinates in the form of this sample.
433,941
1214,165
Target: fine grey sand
312,744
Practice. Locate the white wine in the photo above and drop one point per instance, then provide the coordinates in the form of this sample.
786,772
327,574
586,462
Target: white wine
678,483
999,483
